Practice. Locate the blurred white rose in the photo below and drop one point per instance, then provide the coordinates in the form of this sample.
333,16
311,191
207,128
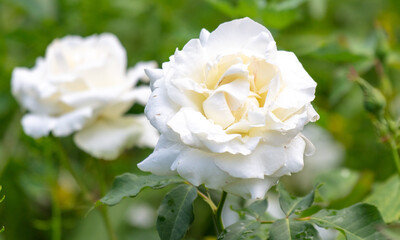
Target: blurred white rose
81,85
230,109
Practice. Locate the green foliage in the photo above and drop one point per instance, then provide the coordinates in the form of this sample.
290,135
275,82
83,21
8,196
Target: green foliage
289,229
257,209
385,197
245,229
327,36
290,204
358,222
176,212
336,184
129,185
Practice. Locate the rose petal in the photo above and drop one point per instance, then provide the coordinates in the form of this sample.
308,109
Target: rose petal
226,38
251,188
106,138
72,121
161,160
198,167
37,126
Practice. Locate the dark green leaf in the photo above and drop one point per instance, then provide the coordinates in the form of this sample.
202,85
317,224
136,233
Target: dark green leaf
289,229
358,222
386,197
290,204
129,185
256,209
176,212
243,230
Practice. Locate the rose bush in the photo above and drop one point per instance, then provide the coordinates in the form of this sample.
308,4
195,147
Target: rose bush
230,108
82,86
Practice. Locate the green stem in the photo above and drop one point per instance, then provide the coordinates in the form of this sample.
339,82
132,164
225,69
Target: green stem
218,214
56,216
395,153
67,163
104,209
208,201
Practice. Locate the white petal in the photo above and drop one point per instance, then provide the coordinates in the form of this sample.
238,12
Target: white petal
300,87
154,75
72,121
251,188
37,126
138,71
198,167
161,160
241,35
217,109
204,34
106,139
264,160
196,130
294,157
149,135
160,109
190,62
141,94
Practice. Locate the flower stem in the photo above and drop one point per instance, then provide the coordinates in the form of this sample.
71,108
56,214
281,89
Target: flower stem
208,201
218,214
55,216
395,153
104,209
67,163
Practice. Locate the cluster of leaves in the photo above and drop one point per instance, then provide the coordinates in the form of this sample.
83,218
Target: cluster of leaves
302,214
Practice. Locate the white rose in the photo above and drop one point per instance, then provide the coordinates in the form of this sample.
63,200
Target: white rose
81,85
230,109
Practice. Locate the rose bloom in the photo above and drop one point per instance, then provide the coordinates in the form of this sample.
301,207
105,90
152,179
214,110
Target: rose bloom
230,108
82,86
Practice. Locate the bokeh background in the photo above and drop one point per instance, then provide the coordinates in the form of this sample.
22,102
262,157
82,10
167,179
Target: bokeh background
328,36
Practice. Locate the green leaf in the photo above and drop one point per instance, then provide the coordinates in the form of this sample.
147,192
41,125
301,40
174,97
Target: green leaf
386,197
242,230
129,185
257,209
290,204
176,212
336,184
358,222
339,54
288,229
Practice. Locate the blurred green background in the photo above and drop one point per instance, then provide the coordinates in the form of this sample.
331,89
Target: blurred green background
328,36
